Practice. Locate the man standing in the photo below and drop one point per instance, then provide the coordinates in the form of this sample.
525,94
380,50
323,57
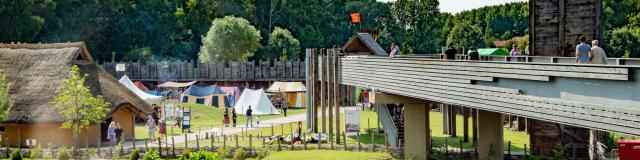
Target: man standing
178,115
598,56
582,51
249,118
151,125
474,55
284,104
395,50
450,53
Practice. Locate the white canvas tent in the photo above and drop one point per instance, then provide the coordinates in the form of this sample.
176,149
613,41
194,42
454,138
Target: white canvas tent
257,99
133,88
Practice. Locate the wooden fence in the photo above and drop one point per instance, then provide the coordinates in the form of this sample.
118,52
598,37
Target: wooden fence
209,71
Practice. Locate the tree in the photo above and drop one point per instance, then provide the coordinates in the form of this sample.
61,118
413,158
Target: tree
282,43
230,38
625,40
77,105
5,100
422,24
466,35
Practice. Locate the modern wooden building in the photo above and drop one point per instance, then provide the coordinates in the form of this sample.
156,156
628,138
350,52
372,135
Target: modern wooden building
37,71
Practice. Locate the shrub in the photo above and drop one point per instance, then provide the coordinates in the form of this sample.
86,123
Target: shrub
63,154
223,151
16,155
185,155
92,153
36,152
151,154
205,155
240,154
262,153
135,154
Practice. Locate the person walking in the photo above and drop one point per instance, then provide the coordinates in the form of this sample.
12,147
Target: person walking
178,115
395,50
582,51
474,55
285,105
226,117
450,53
111,134
249,118
162,127
119,131
151,126
234,116
515,51
598,56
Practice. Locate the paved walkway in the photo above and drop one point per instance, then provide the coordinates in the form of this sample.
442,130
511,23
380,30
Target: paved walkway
179,139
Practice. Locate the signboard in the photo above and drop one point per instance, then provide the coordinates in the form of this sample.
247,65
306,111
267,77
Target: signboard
120,67
186,120
352,121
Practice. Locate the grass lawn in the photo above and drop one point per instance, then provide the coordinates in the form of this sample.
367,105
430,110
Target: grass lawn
327,155
207,117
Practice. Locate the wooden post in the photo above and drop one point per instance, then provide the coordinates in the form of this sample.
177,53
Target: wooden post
291,128
323,76
319,141
509,150
159,147
145,144
359,145
250,140
465,124
344,136
211,141
525,149
330,98
134,144
236,141
197,142
474,126
304,140
292,144
336,93
461,151
173,147
224,140
272,130
279,147
186,141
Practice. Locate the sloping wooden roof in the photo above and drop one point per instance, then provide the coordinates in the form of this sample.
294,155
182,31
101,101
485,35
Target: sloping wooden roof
37,71
363,43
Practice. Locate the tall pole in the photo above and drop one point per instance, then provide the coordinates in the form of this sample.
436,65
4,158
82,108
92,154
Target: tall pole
309,86
315,90
330,89
336,92
322,89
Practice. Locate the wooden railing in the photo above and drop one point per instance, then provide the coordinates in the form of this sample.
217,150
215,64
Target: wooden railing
210,71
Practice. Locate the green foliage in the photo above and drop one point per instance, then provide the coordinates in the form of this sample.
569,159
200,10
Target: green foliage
239,154
205,155
135,154
5,100
151,154
230,38
16,155
63,154
559,152
224,151
185,154
422,25
263,152
92,153
625,40
466,35
282,44
139,54
77,105
530,157
36,152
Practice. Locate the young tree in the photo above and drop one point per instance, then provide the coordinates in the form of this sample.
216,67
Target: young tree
283,44
77,105
230,38
5,100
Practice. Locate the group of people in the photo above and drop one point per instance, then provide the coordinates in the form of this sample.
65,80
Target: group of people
114,133
281,102
153,124
590,54
248,114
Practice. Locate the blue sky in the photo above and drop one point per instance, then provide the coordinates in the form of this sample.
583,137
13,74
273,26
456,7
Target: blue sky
456,6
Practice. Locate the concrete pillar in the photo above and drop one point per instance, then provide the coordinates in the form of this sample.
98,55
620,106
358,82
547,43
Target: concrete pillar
453,112
474,126
416,130
490,135
465,124
445,118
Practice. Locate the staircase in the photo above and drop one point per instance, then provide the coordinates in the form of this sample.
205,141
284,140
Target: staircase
394,133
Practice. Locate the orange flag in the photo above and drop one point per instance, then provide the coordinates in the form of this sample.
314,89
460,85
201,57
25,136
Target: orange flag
355,17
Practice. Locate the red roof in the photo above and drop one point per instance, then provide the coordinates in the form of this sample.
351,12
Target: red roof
141,86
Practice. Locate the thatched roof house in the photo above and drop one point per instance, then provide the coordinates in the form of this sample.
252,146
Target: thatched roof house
37,71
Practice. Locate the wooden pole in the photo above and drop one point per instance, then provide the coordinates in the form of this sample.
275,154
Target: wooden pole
186,141
465,124
330,92
474,126
279,147
304,140
173,146
211,141
344,135
509,150
224,140
159,146
336,93
197,142
315,90
236,141
250,145
359,145
323,76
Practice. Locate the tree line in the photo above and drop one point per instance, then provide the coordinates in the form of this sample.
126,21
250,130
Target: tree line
132,30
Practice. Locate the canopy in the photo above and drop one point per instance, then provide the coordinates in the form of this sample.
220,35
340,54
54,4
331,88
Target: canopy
257,99
491,52
140,85
203,91
157,93
176,84
228,90
287,87
143,95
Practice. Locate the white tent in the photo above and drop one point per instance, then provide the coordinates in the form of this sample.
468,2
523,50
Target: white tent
257,99
132,87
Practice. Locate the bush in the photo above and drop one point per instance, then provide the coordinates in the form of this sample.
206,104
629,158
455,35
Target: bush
223,151
185,155
263,153
205,155
16,155
36,152
151,154
135,154
240,154
63,154
92,153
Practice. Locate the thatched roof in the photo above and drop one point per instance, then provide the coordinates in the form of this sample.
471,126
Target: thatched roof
363,44
37,71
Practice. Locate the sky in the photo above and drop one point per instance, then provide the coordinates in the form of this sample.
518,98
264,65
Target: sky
456,6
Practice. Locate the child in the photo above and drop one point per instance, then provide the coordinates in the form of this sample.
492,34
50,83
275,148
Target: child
258,121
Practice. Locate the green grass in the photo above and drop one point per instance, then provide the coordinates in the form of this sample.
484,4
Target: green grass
207,117
327,155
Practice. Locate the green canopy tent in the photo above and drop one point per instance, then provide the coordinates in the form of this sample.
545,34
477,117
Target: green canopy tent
491,52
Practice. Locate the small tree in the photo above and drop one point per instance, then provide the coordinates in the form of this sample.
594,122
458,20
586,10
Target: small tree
229,38
77,105
284,45
5,101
